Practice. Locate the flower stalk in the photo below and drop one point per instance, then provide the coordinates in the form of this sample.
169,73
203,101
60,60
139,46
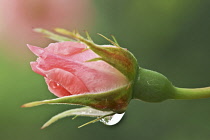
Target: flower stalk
152,86
191,93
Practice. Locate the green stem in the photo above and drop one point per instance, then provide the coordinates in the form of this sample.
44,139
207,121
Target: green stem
152,86
187,93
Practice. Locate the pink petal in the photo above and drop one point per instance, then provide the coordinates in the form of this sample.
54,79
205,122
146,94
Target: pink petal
36,50
66,48
71,50
67,80
36,69
64,65
56,89
84,56
98,77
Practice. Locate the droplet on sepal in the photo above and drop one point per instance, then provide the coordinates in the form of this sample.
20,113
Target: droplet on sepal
112,120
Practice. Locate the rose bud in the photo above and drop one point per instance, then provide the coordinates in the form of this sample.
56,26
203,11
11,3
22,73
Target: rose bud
104,78
84,73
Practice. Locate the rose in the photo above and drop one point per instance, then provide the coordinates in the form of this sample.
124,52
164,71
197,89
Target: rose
102,77
84,73
67,73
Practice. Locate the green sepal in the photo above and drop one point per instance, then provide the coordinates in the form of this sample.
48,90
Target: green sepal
118,57
52,35
113,42
84,111
94,59
115,100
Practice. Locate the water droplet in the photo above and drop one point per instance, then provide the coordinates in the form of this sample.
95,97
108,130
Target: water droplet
53,84
112,120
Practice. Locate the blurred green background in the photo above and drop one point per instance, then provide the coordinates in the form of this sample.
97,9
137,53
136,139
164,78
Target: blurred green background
168,36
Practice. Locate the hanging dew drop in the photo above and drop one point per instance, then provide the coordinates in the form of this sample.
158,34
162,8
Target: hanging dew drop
112,120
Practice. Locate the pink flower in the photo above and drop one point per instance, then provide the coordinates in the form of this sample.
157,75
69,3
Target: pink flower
78,71
67,72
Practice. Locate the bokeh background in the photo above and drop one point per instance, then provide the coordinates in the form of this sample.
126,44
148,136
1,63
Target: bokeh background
168,36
